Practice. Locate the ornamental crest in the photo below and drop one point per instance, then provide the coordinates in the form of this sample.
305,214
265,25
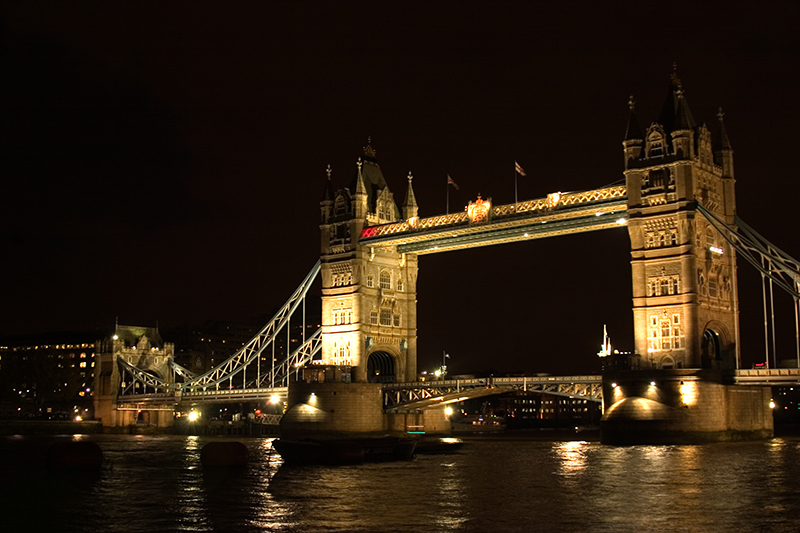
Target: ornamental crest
478,211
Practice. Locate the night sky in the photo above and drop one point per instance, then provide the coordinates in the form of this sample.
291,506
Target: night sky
164,163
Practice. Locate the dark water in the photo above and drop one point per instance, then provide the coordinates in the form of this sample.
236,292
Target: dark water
156,483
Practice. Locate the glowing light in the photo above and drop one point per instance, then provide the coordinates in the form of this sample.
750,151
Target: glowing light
772,404
194,415
448,411
478,211
716,250
653,383
621,221
115,337
78,418
688,392
614,385
274,399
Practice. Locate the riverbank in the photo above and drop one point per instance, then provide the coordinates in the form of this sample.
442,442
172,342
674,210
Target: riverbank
49,427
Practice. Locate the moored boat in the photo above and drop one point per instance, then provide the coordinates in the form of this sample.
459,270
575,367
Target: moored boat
479,424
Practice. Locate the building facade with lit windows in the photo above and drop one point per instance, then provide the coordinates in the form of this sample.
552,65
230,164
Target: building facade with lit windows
685,306
369,318
47,376
530,409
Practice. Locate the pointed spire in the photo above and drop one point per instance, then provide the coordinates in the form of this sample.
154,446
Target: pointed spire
410,207
327,196
360,186
722,141
633,132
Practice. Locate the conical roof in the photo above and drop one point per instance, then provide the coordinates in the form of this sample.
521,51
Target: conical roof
675,114
371,177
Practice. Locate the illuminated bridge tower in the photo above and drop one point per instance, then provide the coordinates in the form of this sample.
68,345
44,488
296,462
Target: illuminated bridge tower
369,319
685,306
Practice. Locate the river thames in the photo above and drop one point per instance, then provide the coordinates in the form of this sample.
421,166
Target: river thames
156,483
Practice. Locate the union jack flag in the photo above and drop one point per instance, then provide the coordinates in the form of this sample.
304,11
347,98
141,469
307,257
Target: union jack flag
451,182
519,169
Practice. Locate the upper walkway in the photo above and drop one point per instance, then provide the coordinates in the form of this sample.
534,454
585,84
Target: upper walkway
556,214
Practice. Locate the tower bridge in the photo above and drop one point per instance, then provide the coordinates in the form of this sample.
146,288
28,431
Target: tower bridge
685,380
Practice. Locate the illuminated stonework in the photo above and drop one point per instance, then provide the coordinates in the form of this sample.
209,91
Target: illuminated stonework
665,339
368,292
684,303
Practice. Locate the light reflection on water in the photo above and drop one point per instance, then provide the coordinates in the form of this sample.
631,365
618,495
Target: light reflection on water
156,483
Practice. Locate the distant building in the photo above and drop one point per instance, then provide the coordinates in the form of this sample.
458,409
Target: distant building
49,375
787,404
536,409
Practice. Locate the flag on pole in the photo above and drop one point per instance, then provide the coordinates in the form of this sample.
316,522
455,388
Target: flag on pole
519,169
451,182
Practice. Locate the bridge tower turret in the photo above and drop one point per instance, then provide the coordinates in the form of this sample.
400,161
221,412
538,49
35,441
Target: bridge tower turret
685,305
369,319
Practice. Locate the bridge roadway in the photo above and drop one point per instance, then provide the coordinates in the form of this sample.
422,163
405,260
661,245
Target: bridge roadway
400,397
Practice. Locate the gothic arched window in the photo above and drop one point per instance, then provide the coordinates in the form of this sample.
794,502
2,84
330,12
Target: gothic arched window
385,280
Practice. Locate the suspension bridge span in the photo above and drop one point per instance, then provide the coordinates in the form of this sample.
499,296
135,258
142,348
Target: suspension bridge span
358,371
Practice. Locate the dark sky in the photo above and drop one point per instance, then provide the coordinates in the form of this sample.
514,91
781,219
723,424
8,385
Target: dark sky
163,161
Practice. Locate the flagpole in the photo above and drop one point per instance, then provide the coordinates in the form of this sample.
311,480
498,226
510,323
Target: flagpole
447,184
515,187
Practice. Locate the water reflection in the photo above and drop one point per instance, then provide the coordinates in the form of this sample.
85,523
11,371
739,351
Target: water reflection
571,457
449,500
157,484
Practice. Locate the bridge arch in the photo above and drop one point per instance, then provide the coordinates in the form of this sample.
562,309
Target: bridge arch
381,367
716,345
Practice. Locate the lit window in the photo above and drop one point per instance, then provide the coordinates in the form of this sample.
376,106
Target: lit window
712,288
385,280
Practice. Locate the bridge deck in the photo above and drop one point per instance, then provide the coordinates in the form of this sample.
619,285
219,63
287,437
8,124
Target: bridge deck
399,397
